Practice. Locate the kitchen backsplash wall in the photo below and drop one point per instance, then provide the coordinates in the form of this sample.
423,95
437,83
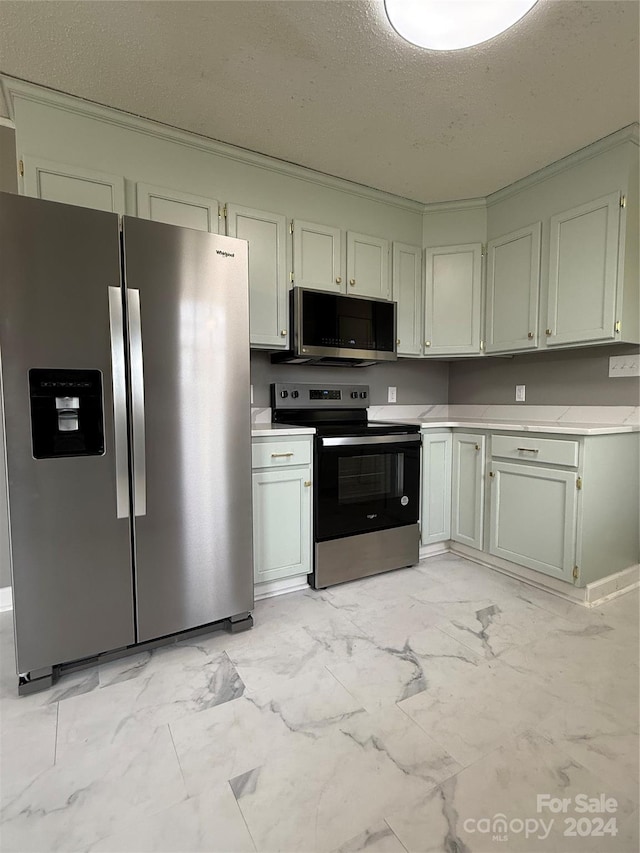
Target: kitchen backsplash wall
416,381
563,378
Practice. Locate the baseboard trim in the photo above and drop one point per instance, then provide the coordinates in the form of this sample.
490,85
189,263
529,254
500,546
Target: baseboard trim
6,598
591,595
268,589
434,549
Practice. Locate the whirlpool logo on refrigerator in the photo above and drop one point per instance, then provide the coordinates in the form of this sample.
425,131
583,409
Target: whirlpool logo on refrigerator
225,254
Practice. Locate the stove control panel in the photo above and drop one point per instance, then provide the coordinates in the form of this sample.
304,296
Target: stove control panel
296,395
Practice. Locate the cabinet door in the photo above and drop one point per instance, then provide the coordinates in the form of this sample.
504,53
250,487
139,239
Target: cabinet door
368,266
316,256
281,523
513,287
583,272
452,299
467,500
73,185
268,286
436,488
533,517
407,293
177,208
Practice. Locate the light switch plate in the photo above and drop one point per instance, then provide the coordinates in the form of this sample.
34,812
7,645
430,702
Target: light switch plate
520,393
391,393
624,365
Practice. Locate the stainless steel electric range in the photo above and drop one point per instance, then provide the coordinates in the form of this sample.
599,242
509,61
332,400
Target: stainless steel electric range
366,481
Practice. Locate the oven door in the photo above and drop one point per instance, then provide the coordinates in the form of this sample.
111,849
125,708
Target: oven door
365,483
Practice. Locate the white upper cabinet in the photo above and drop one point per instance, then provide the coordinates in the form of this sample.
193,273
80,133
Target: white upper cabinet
452,299
316,256
368,266
407,293
268,285
583,272
174,207
73,185
513,288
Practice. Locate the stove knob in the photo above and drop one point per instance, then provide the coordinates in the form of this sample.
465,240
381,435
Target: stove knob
284,394
354,394
295,395
363,395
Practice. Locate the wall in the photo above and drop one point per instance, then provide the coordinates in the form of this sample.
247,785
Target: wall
8,172
8,184
560,378
416,381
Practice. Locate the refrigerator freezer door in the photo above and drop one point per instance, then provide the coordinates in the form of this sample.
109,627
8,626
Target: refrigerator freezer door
72,577
193,555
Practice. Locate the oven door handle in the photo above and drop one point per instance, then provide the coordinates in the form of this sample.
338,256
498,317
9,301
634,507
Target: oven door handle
341,441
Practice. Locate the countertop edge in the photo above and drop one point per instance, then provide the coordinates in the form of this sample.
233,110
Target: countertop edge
277,430
507,426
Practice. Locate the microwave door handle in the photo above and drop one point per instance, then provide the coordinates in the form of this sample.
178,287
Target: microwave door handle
137,404
119,388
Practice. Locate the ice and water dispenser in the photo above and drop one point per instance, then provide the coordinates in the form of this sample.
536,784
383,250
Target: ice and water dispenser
66,413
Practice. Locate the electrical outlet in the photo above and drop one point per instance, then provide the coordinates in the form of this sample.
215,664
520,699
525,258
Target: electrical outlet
520,393
624,365
251,395
391,394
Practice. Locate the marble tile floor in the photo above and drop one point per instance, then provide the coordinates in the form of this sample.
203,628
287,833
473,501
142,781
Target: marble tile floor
420,710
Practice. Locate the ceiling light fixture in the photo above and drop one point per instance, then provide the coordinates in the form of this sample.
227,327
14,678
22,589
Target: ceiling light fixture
453,24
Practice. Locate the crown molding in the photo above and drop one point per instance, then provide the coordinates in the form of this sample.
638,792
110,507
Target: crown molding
630,133
452,206
14,88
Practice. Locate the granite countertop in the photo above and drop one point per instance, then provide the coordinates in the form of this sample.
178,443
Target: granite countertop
560,428
259,430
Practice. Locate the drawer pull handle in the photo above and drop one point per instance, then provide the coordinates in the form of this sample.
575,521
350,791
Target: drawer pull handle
279,455
529,449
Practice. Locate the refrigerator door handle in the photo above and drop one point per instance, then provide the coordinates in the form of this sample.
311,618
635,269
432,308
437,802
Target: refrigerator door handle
137,403
118,380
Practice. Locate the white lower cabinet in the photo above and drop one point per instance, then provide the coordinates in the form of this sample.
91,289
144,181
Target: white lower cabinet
282,507
435,515
533,517
467,489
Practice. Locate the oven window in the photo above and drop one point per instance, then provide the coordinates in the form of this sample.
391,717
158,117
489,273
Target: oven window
372,476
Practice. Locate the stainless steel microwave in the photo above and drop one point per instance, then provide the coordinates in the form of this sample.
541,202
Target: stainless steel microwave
335,329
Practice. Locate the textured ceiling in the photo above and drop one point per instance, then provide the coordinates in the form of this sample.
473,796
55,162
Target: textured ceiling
328,84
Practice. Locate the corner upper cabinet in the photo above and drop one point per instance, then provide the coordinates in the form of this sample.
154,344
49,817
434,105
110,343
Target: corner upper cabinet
73,185
453,294
367,266
583,272
174,207
407,293
266,234
513,288
316,256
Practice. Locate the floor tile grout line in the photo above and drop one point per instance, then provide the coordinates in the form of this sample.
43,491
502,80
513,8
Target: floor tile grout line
173,743
55,743
242,815
394,834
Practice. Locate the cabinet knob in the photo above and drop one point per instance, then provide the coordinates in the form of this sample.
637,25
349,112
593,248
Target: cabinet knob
283,333
339,279
307,482
477,447
352,282
548,332
427,343
398,342
530,336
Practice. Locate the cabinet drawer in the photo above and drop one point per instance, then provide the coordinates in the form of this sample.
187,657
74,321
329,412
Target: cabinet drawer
276,454
529,449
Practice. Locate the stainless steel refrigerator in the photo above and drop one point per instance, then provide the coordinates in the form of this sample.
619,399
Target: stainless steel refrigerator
125,372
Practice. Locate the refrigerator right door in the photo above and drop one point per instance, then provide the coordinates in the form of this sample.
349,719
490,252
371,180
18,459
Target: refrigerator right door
188,320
